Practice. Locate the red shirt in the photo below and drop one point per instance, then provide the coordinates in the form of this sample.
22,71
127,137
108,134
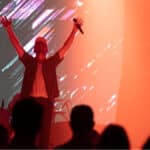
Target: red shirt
49,73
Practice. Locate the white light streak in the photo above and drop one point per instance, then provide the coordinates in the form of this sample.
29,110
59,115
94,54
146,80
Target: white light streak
90,63
109,45
84,87
75,77
10,64
63,78
41,18
113,97
74,92
68,14
91,87
79,3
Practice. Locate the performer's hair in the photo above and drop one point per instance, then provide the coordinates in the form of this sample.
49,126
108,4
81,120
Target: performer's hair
40,44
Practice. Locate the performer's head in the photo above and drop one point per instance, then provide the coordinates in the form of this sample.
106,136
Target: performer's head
40,46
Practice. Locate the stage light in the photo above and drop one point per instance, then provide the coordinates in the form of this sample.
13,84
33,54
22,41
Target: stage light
79,3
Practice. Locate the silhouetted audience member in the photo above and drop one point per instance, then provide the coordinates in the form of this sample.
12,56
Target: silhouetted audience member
4,116
26,123
81,122
4,138
146,144
114,137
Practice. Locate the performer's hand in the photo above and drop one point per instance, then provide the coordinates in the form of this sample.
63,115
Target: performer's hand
5,21
78,23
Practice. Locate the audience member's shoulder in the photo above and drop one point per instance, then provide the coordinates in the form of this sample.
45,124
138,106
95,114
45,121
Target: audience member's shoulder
146,145
64,146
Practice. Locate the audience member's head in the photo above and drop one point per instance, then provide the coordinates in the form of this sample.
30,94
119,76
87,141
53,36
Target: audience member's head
3,137
146,144
81,122
26,116
81,119
26,121
114,137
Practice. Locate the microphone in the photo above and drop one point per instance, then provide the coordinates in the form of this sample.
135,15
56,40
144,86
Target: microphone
78,26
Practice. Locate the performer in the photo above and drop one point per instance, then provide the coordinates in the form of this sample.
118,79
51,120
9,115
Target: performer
40,78
40,73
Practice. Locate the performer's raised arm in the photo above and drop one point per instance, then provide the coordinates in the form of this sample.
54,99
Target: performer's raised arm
7,23
62,51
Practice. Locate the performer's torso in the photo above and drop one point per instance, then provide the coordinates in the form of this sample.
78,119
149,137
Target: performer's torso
40,81
39,86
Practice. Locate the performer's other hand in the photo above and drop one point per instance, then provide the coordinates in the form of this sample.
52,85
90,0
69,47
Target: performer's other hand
78,22
5,21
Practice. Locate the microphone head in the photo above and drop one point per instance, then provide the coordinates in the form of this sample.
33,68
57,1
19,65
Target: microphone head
75,20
